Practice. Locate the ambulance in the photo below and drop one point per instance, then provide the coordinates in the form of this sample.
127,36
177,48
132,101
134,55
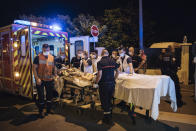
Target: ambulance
19,44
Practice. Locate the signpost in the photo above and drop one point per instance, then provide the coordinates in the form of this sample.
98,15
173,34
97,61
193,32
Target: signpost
94,33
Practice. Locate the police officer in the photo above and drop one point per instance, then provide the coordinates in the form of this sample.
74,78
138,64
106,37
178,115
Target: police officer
106,81
169,61
162,65
44,72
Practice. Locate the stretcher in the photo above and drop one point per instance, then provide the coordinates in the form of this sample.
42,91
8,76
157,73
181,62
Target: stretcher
81,85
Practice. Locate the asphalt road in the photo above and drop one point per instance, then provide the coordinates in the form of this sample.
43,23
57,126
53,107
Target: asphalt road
20,114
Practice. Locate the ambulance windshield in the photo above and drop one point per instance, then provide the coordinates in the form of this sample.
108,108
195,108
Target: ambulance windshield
56,44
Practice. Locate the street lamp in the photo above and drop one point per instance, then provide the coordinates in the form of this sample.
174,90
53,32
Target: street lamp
140,25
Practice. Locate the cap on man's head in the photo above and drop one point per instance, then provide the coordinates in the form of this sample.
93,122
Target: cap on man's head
45,46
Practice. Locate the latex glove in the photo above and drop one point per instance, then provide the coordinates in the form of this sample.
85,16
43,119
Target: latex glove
95,86
38,82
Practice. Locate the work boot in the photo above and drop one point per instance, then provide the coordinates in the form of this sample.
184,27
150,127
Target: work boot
180,103
107,119
41,114
48,109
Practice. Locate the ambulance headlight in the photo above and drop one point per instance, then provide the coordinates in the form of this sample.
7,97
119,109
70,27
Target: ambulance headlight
16,74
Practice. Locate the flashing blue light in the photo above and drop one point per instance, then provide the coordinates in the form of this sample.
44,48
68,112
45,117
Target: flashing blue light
22,22
56,28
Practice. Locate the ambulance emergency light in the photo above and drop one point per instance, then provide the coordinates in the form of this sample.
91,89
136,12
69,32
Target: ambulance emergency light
56,27
28,23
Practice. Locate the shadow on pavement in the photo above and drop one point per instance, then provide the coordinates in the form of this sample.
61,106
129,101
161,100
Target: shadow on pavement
86,118
90,120
8,111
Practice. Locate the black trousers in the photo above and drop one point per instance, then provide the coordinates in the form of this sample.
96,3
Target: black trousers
106,91
49,85
175,78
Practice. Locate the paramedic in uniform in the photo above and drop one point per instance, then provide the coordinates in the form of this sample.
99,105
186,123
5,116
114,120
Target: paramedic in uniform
169,61
107,74
44,72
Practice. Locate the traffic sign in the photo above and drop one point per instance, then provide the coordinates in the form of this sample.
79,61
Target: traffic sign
93,39
94,30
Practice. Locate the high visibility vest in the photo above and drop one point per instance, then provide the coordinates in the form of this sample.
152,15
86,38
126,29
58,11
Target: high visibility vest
46,67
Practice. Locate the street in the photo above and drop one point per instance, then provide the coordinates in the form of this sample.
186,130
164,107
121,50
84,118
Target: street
20,114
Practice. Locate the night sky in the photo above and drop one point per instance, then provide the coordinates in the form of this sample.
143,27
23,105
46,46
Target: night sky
173,18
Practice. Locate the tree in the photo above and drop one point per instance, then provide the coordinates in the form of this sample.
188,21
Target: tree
123,28
63,20
84,22
79,26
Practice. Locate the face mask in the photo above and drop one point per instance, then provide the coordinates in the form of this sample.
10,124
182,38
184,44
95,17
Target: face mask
93,56
114,56
46,53
122,54
83,56
80,55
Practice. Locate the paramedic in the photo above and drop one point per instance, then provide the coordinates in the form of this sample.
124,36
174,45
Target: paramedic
44,72
106,83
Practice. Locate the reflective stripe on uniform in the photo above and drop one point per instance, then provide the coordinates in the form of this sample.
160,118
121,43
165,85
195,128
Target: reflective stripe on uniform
105,113
50,63
42,61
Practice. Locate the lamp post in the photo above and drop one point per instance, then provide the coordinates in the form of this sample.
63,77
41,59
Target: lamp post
140,25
